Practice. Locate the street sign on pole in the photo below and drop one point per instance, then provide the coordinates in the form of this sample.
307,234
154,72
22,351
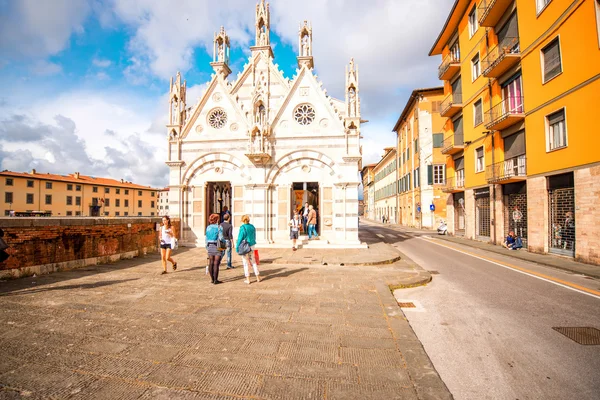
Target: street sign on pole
432,207
517,215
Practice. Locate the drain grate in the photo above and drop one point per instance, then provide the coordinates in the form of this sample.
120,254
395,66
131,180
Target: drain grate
434,272
407,305
585,335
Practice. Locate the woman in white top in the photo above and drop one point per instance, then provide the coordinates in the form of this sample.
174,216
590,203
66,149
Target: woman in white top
167,235
295,224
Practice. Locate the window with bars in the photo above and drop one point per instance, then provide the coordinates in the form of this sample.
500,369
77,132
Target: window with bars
551,63
556,130
475,67
479,156
477,112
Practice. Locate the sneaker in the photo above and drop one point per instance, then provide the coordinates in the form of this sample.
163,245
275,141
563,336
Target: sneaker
294,249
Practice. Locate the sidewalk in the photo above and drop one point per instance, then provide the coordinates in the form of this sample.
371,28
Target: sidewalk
562,263
306,331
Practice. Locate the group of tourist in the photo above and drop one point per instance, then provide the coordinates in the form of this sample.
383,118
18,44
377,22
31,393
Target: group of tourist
219,240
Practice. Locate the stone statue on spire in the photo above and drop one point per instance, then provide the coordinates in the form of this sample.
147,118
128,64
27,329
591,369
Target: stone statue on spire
305,56
221,48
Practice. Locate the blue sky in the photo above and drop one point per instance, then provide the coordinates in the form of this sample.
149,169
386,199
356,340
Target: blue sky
85,81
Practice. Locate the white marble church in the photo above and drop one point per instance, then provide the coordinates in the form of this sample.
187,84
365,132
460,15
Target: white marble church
263,145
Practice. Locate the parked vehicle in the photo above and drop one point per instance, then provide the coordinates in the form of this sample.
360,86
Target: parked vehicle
443,228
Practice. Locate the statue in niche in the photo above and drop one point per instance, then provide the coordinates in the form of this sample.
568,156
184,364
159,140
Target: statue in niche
175,115
262,38
221,54
352,102
305,46
256,147
261,116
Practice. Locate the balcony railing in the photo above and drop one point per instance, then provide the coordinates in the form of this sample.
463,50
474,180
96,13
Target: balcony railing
451,105
504,114
450,65
454,184
453,144
501,57
513,169
490,11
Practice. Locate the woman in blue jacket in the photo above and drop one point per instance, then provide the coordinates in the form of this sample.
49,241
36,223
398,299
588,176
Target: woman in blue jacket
214,254
248,232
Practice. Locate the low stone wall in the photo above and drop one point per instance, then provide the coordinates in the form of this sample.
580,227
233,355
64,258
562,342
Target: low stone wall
44,245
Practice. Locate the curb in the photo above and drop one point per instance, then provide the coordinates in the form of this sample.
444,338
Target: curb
416,283
337,264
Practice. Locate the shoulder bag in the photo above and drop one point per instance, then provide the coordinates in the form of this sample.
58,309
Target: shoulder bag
221,242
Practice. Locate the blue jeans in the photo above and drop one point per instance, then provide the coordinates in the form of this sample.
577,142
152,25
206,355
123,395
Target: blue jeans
228,252
304,221
312,232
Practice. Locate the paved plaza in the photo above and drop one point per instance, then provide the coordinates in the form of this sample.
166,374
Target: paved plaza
306,331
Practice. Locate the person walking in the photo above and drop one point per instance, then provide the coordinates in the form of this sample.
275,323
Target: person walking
167,235
305,218
224,213
312,222
213,231
228,235
294,229
248,233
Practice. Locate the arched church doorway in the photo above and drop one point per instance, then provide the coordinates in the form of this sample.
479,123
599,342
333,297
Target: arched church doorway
306,192
218,196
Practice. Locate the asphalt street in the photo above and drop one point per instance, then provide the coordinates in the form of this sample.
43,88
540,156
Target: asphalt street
486,321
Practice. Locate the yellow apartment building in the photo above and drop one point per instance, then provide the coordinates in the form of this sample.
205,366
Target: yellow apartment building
368,181
386,187
522,80
421,164
24,193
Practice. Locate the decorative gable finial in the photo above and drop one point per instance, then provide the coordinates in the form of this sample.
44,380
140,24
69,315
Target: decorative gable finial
352,120
305,56
263,29
221,47
177,107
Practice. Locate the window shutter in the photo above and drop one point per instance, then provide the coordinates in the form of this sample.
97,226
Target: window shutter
514,145
552,65
430,174
438,140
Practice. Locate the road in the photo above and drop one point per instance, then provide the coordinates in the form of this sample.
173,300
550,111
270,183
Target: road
487,326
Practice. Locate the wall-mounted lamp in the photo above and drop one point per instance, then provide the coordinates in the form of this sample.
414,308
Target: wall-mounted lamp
467,142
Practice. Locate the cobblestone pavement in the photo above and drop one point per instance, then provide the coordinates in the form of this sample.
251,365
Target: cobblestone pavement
123,331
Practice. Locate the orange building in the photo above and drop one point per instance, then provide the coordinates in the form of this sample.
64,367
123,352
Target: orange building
522,82
421,164
73,195
368,181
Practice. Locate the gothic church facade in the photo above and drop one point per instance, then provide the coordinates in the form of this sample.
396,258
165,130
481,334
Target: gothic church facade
264,145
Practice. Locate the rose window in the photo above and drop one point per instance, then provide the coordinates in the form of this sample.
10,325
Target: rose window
217,118
304,114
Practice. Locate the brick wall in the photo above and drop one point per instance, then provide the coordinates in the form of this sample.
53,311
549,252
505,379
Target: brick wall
537,215
42,245
587,215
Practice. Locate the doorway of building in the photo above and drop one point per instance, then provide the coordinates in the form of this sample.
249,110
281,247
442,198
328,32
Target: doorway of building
218,196
306,192
561,215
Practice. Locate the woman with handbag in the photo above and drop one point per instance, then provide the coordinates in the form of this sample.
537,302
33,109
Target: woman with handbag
214,246
167,235
245,247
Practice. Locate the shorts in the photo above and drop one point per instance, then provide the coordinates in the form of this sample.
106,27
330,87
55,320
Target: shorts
293,234
165,245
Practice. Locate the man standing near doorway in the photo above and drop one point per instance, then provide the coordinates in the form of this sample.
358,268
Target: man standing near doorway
224,212
305,211
312,222
228,235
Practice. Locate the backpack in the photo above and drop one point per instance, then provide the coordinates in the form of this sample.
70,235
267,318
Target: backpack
221,242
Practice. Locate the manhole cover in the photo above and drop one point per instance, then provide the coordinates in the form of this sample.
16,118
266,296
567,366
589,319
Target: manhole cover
585,335
407,305
434,272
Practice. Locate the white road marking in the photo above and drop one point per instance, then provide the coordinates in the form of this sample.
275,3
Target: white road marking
510,268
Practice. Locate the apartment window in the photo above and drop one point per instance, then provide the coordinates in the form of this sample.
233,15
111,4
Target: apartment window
152,204
152,194
438,174
438,140
408,154
166,207
139,203
48,185
106,202
477,113
117,214
118,203
29,183
416,146
126,213
69,186
541,4
78,188
77,201
9,181
106,213
473,23
556,129
139,214
95,189
118,191
29,198
152,214
69,200
78,213
8,197
475,67
598,20
417,178
48,199
126,191
69,213
551,64
480,164
106,190
139,192
435,106
126,203
512,94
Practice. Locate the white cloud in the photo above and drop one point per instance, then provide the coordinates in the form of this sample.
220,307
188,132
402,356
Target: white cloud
101,63
45,68
32,28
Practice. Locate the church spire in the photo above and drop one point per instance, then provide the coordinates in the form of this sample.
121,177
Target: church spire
177,109
221,53
305,56
263,28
